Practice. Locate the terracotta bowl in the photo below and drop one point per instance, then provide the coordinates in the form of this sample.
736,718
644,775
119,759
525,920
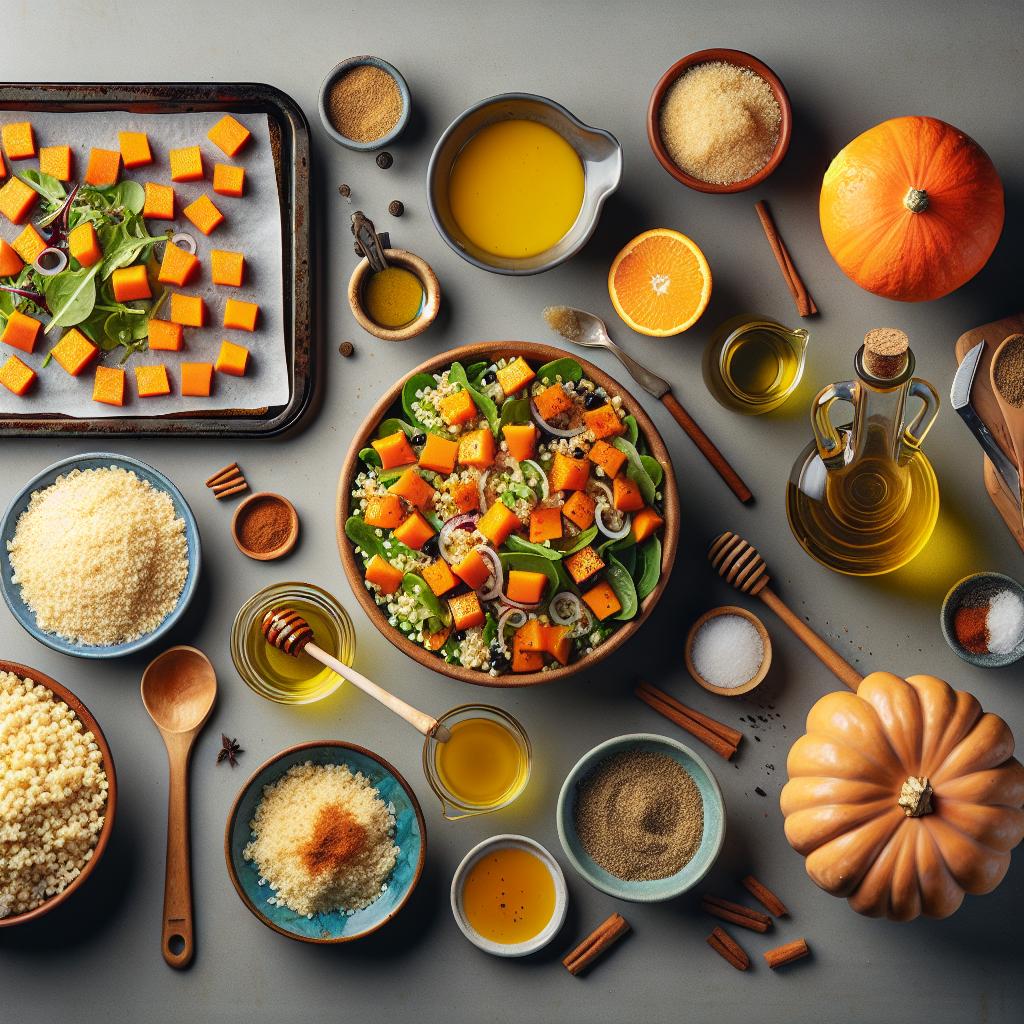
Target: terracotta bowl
766,659
64,694
491,351
293,532
740,59
431,296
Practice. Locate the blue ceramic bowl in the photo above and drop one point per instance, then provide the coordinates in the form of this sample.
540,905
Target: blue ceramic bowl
410,837
662,888
96,460
347,65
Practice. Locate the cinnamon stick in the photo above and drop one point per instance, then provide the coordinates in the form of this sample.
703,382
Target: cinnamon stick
728,948
726,732
222,474
782,955
235,489
736,913
764,896
596,944
804,302
656,700
229,483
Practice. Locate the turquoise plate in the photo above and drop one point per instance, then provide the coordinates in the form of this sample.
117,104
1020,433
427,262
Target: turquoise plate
410,837
662,888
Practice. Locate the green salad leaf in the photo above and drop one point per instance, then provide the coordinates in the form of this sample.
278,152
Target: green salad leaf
649,560
457,375
520,545
71,296
416,586
515,492
566,368
627,559
514,410
636,471
490,629
586,537
370,457
475,371
622,583
632,430
654,468
45,185
392,425
417,382
364,537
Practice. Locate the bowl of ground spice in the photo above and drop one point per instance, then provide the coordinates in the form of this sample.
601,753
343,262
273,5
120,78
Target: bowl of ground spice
982,620
719,121
641,817
364,103
265,526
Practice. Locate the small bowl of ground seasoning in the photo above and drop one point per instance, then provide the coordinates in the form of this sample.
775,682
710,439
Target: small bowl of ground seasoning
364,103
982,620
641,817
265,526
719,121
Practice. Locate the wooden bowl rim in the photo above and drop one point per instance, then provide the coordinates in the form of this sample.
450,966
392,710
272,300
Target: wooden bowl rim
766,659
233,814
89,721
670,501
431,296
290,541
742,59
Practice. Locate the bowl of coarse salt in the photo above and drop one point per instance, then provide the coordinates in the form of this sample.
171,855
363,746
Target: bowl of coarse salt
728,651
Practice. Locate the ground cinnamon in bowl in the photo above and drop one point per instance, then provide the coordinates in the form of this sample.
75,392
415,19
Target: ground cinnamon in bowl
265,526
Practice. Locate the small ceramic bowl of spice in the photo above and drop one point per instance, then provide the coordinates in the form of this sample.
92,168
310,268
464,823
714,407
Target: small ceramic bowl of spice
364,103
982,620
398,302
719,121
265,526
728,651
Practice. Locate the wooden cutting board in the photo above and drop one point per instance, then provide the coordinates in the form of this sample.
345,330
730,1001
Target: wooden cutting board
984,402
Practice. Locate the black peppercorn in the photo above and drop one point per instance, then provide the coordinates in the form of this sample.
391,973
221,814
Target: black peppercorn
419,438
346,348
385,160
396,207
489,378
344,191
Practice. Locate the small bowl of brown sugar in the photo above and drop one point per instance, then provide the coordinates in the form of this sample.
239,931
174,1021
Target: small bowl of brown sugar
265,526
364,103
719,121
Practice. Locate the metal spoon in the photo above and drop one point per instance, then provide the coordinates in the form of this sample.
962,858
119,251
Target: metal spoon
179,688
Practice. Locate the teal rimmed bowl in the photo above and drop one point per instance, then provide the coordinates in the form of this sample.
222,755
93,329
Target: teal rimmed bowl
337,926
658,889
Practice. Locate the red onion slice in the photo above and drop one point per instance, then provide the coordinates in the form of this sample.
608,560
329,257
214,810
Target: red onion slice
606,530
50,262
493,589
505,620
185,241
539,470
522,606
557,431
565,597
465,521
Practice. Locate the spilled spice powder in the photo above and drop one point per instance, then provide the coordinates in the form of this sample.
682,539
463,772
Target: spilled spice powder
364,104
336,838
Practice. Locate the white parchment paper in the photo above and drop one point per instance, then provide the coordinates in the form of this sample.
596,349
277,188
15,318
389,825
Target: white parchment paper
252,225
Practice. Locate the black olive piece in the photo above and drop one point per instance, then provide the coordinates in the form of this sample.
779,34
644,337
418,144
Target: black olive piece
578,453
419,438
460,635
592,401
429,546
489,378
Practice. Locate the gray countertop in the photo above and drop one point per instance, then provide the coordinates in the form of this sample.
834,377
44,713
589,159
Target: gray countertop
846,68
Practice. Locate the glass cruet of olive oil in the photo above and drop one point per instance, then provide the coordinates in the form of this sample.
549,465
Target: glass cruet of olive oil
863,499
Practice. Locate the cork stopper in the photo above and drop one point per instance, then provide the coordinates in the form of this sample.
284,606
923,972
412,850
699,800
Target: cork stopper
1008,372
885,352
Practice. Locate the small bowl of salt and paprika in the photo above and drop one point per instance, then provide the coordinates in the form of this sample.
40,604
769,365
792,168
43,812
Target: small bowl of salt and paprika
982,620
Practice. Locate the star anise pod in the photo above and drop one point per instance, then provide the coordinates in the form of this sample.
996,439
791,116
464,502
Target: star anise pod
229,751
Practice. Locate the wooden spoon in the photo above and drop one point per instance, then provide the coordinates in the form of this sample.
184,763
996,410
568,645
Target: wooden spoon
288,631
1007,370
179,689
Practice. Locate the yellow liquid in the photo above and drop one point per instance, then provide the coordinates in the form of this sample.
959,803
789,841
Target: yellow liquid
393,297
509,896
516,188
761,364
482,765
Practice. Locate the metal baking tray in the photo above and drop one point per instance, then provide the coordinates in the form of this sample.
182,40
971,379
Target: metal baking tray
289,139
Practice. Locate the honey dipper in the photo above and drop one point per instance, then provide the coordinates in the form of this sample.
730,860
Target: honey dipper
289,632
739,563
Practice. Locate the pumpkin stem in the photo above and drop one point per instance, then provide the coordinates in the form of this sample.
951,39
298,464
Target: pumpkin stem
916,796
916,200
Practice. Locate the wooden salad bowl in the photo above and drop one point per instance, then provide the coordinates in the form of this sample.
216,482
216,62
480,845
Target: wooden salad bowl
491,351
90,723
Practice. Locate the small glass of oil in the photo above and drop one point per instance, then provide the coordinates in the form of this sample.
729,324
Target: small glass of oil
281,677
483,767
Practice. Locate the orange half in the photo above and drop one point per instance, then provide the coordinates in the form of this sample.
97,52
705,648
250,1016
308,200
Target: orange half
660,283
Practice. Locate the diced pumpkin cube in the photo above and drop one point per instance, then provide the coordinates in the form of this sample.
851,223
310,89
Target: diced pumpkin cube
178,266
229,135
626,496
19,140
558,643
232,359
458,408
21,331
151,381
524,660
131,283
104,167
525,587
227,267
411,486
240,315
603,421
165,336
466,611
188,310
467,496
530,635
204,214
435,641
16,376
186,164
474,570
515,376
521,439
229,180
394,450
601,600
545,524
383,575
196,379
159,204
439,454
552,402
414,532
108,385
607,456
476,448
29,243
135,151
439,577
497,523
583,564
10,262
55,161
16,199
568,474
74,351
83,244
579,507
384,511
645,524
3,167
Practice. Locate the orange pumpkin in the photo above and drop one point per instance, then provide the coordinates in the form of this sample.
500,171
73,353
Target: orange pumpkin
904,796
911,209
